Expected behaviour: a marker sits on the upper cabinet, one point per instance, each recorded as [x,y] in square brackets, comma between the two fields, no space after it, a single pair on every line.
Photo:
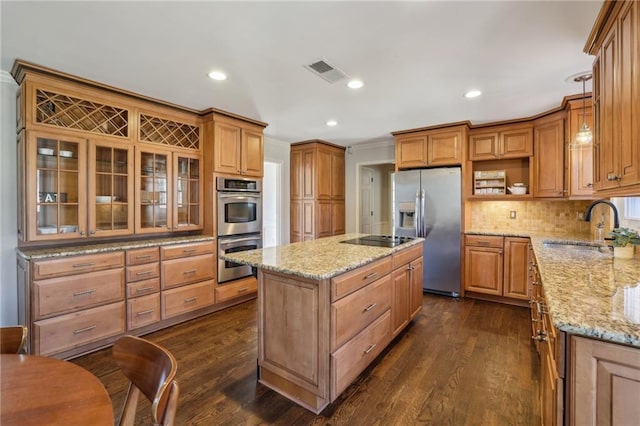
[97,162]
[429,148]
[238,148]
[615,41]
[501,142]
[549,157]
[578,158]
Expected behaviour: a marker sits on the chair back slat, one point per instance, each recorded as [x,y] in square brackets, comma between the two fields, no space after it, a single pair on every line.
[13,339]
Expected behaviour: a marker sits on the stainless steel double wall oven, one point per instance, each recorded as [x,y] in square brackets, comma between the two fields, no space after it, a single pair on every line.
[239,222]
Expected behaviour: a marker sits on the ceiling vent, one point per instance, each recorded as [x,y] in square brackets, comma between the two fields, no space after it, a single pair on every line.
[326,71]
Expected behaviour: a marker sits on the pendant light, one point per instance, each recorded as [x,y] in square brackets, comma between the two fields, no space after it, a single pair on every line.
[584,135]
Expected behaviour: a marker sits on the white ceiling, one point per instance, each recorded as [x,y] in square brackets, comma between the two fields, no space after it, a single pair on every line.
[415,58]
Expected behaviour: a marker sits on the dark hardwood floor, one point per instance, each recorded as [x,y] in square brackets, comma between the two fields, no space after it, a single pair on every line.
[461,362]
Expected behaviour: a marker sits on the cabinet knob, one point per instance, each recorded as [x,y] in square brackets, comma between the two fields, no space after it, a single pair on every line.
[81,232]
[93,231]
[612,177]
[589,185]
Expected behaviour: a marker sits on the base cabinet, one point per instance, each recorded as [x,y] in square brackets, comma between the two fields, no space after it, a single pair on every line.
[497,267]
[604,387]
[316,336]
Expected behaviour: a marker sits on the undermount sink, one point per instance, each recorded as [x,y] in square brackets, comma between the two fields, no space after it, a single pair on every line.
[575,246]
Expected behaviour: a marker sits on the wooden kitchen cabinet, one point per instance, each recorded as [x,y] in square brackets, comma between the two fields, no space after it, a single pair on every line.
[497,266]
[579,158]
[429,148]
[317,190]
[604,384]
[143,287]
[615,41]
[238,148]
[549,157]
[170,191]
[501,142]
[406,287]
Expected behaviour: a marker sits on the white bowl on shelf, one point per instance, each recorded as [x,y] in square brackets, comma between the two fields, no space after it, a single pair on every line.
[518,190]
[105,199]
[67,154]
[45,151]
[45,230]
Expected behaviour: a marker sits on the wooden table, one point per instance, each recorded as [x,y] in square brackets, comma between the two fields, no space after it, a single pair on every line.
[37,390]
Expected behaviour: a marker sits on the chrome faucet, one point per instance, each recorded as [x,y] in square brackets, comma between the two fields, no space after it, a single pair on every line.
[616,219]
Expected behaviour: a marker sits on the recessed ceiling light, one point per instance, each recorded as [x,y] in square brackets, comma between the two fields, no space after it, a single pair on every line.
[355,84]
[217,75]
[332,123]
[472,94]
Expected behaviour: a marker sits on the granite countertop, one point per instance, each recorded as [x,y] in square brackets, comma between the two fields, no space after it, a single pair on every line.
[588,292]
[317,259]
[48,253]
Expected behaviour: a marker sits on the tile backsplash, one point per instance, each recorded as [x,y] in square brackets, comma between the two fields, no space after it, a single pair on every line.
[535,216]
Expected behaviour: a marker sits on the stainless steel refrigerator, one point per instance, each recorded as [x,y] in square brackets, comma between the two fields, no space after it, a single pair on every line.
[426,203]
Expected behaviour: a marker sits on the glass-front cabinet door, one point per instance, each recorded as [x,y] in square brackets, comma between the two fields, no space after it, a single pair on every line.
[110,189]
[188,207]
[153,186]
[56,207]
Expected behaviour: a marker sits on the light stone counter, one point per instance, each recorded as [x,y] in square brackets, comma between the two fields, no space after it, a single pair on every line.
[54,252]
[588,293]
[317,259]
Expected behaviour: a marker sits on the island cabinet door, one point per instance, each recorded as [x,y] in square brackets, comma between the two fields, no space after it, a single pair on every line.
[293,346]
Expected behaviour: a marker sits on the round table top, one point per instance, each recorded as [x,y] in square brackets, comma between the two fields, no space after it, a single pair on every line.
[37,390]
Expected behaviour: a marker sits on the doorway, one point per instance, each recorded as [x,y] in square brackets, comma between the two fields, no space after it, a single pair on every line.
[374,198]
[271,204]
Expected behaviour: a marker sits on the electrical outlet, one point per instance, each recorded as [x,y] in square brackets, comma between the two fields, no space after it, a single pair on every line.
[512,214]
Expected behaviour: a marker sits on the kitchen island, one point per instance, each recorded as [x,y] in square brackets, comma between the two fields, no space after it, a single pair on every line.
[327,309]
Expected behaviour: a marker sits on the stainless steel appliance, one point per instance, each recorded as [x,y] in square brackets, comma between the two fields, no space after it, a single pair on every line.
[427,203]
[228,271]
[239,205]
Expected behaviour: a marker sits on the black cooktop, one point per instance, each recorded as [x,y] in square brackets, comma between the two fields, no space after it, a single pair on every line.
[379,240]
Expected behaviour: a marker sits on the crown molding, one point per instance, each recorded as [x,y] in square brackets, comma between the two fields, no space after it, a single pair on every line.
[372,145]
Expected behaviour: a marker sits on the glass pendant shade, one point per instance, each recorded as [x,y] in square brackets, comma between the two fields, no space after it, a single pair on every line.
[584,135]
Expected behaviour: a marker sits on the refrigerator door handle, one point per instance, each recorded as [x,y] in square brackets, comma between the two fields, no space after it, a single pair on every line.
[417,214]
[422,214]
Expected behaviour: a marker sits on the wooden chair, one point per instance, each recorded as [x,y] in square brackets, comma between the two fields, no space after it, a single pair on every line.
[151,370]
[13,340]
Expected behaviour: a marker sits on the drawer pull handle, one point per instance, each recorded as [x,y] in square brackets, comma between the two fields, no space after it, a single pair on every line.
[82,293]
[188,250]
[370,348]
[142,257]
[191,299]
[84,330]
[483,243]
[242,290]
[411,267]
[147,312]
[84,265]
[370,307]
[143,289]
[144,273]
[190,271]
[371,275]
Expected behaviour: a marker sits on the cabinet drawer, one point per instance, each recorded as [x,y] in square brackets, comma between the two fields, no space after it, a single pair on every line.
[407,255]
[352,358]
[229,291]
[483,240]
[190,249]
[356,311]
[143,311]
[143,272]
[77,264]
[187,270]
[358,278]
[185,299]
[67,294]
[72,330]
[143,255]
[142,288]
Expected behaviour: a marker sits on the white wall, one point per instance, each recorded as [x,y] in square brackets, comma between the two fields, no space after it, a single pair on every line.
[356,156]
[279,152]
[8,201]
